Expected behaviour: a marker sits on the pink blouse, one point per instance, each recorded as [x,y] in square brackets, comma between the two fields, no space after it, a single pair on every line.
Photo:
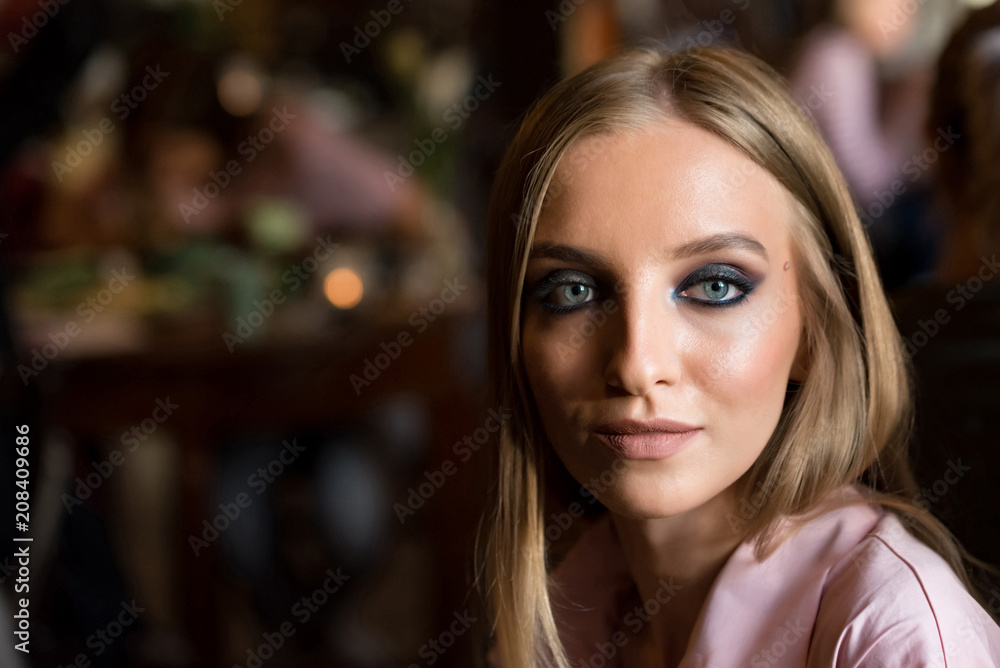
[851,588]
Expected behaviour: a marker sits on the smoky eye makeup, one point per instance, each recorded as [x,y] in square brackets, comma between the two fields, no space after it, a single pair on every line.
[719,284]
[565,290]
[711,285]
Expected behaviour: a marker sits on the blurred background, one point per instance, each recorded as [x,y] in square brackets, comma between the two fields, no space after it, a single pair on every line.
[241,298]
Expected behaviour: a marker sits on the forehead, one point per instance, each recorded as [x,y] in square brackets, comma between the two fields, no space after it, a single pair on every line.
[665,185]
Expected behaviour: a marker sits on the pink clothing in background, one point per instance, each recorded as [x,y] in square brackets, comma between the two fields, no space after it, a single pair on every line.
[836,80]
[851,588]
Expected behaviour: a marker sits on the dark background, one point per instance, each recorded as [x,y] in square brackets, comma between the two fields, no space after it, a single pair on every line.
[236,312]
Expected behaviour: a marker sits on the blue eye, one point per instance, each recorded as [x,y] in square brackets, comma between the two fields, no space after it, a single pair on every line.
[715,285]
[574,293]
[563,291]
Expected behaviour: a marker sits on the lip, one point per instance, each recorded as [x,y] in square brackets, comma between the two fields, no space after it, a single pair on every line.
[646,439]
[643,426]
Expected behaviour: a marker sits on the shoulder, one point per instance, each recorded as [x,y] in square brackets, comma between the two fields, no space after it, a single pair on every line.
[892,600]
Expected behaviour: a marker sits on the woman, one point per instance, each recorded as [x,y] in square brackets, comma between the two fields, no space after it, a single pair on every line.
[686,319]
[836,76]
[873,129]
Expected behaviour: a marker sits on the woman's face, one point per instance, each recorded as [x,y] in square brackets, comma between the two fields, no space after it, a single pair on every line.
[884,25]
[661,285]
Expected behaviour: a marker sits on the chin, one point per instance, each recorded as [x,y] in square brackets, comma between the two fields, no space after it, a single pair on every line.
[643,492]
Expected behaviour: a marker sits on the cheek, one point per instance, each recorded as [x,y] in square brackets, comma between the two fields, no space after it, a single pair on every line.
[743,368]
[739,364]
[552,364]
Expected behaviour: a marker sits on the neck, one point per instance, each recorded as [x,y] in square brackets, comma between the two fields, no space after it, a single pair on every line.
[677,558]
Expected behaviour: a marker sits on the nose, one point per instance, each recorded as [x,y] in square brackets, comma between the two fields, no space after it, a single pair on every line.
[642,343]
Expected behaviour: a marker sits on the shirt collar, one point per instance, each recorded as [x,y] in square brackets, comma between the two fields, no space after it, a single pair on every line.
[753,605]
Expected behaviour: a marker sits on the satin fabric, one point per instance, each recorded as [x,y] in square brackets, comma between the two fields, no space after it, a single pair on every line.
[851,588]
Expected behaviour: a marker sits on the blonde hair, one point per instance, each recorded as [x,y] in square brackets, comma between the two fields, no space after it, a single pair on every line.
[848,421]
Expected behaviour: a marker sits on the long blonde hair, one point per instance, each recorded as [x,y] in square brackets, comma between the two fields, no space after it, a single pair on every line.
[848,421]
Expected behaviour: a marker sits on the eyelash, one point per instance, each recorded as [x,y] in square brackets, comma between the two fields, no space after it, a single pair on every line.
[559,278]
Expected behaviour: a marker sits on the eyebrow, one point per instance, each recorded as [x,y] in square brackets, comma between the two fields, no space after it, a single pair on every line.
[704,246]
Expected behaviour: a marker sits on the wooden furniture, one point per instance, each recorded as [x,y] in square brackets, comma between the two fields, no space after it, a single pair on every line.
[286,387]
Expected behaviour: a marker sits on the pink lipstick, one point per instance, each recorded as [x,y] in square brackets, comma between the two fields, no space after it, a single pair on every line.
[646,439]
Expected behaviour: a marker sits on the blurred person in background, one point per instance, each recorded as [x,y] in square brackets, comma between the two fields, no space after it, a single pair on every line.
[873,128]
[951,322]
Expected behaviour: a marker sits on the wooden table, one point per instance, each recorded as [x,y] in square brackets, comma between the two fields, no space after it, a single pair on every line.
[287,387]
